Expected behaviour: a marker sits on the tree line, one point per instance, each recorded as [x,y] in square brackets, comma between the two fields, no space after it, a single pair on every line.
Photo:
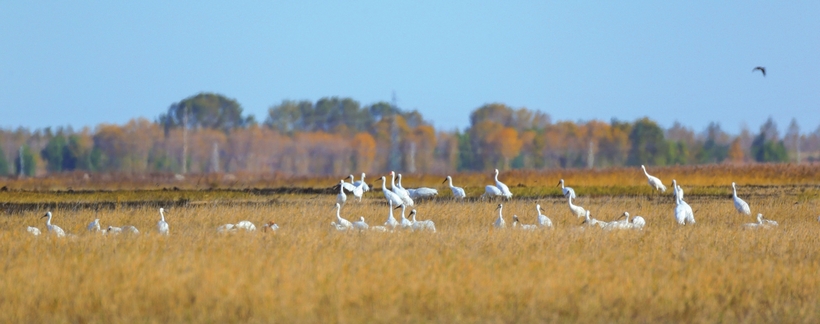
[208,132]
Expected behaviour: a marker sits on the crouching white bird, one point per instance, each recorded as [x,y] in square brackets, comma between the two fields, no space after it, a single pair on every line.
[53,229]
[761,223]
[94,226]
[422,225]
[162,226]
[360,224]
[741,206]
[33,230]
[246,225]
[517,224]
[654,182]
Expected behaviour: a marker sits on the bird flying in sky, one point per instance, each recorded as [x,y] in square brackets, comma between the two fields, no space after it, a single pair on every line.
[762,70]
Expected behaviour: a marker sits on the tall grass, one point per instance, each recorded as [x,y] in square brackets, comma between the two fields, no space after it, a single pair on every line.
[466,272]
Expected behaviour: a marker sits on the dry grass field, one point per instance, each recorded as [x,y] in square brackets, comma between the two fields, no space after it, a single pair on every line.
[465,272]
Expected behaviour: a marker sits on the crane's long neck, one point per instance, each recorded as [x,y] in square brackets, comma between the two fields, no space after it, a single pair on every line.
[569,200]
[162,215]
[392,180]
[644,171]
[399,181]
[48,221]
[342,187]
[338,215]
[759,219]
[384,184]
[562,183]
[499,213]
[362,177]
[402,213]
[451,181]
[734,191]
[496,175]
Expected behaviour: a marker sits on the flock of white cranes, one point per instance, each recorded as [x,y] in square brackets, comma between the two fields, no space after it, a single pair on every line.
[400,197]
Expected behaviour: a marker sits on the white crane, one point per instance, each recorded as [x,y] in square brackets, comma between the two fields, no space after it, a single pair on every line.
[589,221]
[677,191]
[53,229]
[362,184]
[94,226]
[33,230]
[349,186]
[162,226]
[458,192]
[761,223]
[637,222]
[741,206]
[341,198]
[418,193]
[423,225]
[391,222]
[543,220]
[568,192]
[500,223]
[505,191]
[405,223]
[517,222]
[341,222]
[246,225]
[399,191]
[360,224]
[683,212]
[114,230]
[578,211]
[654,182]
[491,191]
[391,197]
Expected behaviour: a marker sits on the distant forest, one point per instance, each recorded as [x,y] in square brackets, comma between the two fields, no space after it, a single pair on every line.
[337,136]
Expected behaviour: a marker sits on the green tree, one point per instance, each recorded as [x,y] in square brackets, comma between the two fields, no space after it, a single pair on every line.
[768,151]
[53,153]
[205,110]
[648,144]
[4,163]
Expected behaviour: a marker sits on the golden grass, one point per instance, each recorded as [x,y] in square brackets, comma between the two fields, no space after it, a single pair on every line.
[466,272]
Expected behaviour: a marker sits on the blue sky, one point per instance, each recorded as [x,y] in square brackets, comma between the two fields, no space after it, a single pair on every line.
[85,63]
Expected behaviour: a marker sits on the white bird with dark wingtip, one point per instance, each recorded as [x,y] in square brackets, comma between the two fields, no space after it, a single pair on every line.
[543,220]
[578,211]
[741,206]
[505,191]
[53,229]
[525,227]
[458,192]
[654,182]
[422,225]
[389,195]
[568,192]
[500,223]
[162,226]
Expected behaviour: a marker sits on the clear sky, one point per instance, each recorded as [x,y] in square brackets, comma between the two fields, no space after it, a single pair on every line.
[82,63]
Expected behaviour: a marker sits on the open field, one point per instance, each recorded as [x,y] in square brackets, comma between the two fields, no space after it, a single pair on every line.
[466,272]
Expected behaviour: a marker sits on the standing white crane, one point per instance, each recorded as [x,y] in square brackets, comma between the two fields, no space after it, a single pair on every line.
[94,226]
[491,191]
[458,192]
[391,222]
[361,183]
[162,226]
[500,223]
[405,223]
[741,206]
[391,197]
[341,222]
[654,182]
[505,191]
[543,220]
[341,198]
[578,211]
[683,212]
[568,192]
[399,191]
[53,229]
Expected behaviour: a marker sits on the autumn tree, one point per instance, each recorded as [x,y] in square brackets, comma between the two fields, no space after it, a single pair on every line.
[364,150]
